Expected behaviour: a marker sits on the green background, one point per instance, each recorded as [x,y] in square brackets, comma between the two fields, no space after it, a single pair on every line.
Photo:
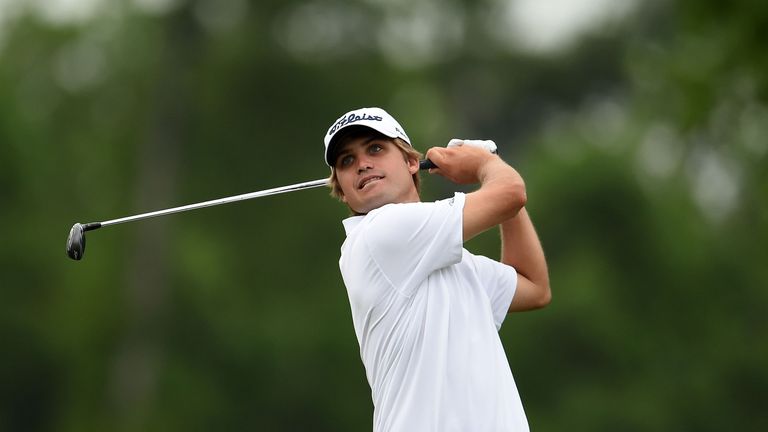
[643,142]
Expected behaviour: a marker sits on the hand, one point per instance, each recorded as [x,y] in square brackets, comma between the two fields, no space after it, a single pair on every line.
[486,144]
[462,163]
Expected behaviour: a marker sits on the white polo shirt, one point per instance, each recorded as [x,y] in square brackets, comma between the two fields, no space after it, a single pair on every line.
[426,313]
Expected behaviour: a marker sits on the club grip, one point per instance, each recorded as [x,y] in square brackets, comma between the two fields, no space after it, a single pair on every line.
[426,164]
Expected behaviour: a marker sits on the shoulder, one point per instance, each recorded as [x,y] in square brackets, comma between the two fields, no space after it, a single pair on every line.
[393,213]
[396,225]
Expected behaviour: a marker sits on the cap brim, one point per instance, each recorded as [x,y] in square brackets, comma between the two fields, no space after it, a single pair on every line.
[343,133]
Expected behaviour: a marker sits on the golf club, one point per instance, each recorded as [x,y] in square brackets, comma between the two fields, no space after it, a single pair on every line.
[76,238]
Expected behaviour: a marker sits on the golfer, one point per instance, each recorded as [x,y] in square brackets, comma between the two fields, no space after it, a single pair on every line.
[427,312]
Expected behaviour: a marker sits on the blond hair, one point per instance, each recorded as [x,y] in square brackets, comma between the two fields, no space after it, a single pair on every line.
[406,149]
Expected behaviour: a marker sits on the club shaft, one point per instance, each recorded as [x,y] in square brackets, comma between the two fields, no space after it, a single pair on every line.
[258,194]
[424,164]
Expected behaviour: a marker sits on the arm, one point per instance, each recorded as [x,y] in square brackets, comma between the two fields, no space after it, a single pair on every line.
[521,249]
[499,201]
[502,190]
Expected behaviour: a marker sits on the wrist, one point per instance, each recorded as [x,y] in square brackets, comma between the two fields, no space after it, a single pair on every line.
[491,168]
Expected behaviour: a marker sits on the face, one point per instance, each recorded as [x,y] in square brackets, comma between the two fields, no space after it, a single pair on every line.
[373,172]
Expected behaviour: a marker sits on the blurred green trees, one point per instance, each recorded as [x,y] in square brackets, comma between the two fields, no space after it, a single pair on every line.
[643,146]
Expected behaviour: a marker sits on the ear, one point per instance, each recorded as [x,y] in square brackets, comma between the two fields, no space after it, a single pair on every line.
[413,165]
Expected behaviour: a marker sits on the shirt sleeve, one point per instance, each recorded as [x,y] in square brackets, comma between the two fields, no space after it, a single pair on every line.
[499,282]
[411,240]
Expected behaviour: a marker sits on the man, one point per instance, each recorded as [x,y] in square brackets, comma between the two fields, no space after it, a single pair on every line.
[426,312]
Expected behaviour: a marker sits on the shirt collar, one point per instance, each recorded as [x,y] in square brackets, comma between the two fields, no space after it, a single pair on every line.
[351,223]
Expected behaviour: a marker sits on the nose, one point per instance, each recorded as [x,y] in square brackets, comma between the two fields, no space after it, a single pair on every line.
[364,163]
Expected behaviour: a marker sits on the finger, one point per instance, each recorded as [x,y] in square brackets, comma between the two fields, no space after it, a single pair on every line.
[436,155]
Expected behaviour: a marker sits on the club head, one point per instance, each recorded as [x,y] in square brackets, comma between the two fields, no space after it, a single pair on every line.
[76,242]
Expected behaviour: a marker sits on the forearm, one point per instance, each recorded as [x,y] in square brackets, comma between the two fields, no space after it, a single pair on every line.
[503,187]
[521,249]
[502,190]
[500,197]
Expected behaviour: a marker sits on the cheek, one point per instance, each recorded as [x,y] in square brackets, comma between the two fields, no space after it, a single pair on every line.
[344,183]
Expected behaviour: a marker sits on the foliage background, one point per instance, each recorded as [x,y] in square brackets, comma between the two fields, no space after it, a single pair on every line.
[642,138]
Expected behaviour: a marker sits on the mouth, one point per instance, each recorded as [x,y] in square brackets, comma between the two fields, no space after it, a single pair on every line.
[368,180]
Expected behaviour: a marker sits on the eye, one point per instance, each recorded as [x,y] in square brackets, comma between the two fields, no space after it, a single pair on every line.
[345,160]
[375,148]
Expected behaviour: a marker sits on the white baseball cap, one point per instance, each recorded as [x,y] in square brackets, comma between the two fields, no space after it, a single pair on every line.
[374,118]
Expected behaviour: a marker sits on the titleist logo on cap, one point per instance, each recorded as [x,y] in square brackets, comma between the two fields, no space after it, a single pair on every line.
[352,118]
